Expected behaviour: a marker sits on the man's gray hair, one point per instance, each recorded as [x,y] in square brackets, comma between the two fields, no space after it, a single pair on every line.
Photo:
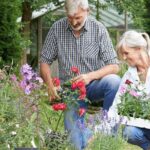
[73,5]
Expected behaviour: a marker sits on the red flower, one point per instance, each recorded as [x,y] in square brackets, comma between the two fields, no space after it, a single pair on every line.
[74,86]
[56,81]
[128,82]
[81,111]
[82,97]
[59,106]
[75,70]
[80,84]
[82,92]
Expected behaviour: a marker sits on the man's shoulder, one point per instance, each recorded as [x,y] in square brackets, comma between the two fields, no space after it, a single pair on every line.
[60,23]
[93,22]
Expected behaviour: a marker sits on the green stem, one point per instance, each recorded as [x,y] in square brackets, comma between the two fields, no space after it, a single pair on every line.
[58,121]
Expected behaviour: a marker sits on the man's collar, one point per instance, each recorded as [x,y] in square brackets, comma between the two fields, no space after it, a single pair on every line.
[86,25]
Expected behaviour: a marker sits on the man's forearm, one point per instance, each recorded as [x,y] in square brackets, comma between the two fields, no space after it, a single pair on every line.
[109,69]
[46,74]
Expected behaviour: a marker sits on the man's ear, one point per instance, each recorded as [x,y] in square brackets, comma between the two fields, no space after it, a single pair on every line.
[65,8]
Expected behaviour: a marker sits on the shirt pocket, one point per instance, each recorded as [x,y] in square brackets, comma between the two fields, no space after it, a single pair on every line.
[91,49]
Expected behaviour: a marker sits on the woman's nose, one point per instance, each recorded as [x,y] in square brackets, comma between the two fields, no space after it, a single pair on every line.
[124,57]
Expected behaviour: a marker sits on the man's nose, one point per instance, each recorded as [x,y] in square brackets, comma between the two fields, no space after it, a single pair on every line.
[74,22]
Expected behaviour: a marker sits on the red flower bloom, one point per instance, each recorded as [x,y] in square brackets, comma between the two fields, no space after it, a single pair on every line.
[81,111]
[82,90]
[56,81]
[74,86]
[82,97]
[80,84]
[128,82]
[75,70]
[59,106]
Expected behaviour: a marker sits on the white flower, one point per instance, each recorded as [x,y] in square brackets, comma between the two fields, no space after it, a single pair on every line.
[33,144]
[8,146]
[49,130]
[17,125]
[13,133]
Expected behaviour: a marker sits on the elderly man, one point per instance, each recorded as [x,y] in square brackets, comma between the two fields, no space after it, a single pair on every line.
[78,40]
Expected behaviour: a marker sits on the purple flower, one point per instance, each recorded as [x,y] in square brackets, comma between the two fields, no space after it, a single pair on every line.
[23,84]
[39,79]
[27,90]
[25,69]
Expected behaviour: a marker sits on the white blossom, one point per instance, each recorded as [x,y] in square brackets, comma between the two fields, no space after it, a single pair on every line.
[17,125]
[13,133]
[33,144]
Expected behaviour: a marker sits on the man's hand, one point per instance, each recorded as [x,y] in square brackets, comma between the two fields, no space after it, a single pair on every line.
[83,77]
[53,95]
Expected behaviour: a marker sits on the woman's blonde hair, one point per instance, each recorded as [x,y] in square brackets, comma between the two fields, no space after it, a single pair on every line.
[133,39]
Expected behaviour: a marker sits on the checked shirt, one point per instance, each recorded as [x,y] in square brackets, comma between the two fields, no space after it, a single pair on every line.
[89,52]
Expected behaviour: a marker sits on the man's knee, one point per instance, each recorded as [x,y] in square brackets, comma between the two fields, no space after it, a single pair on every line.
[112,81]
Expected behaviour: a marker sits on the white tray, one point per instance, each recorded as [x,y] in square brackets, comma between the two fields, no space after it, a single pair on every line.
[138,122]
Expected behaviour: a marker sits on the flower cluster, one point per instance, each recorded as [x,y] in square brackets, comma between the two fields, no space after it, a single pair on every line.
[134,101]
[70,92]
[30,79]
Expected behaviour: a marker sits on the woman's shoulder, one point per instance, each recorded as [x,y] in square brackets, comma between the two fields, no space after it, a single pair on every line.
[132,71]
[130,74]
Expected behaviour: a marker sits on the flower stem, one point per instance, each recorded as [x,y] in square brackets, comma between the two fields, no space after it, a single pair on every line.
[58,121]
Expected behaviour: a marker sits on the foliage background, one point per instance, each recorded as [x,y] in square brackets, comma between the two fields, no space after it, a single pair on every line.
[14,39]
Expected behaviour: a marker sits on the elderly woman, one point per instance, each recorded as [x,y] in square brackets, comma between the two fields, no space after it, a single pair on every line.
[134,49]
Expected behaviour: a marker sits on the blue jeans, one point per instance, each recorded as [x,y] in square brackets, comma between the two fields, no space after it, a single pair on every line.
[137,136]
[105,89]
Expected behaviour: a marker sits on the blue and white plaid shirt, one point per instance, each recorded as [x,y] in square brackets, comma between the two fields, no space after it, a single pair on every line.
[89,52]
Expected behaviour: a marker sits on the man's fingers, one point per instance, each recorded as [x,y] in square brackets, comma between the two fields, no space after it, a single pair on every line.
[78,78]
[53,94]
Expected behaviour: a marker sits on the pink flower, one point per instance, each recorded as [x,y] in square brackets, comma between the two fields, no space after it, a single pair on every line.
[134,93]
[122,89]
[75,70]
[13,78]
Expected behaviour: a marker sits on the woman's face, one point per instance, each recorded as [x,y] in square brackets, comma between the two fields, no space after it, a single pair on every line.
[131,55]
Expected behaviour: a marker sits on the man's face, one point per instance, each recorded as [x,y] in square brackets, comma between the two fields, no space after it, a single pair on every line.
[77,20]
